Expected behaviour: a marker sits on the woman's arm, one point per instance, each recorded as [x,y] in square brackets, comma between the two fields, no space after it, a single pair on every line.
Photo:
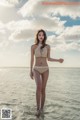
[52,59]
[32,58]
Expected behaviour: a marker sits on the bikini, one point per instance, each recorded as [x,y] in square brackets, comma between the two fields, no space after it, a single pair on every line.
[41,53]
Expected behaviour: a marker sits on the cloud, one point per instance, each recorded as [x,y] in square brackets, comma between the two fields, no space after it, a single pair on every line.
[36,8]
[17,3]
[3,36]
[8,12]
[5,3]
[3,39]
[71,33]
[22,35]
[10,3]
[42,22]
[25,29]
[2,32]
[69,39]
[18,25]
[1,25]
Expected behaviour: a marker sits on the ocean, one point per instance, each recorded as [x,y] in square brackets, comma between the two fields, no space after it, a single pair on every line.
[18,90]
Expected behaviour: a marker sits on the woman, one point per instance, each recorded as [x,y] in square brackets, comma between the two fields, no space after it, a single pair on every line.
[40,72]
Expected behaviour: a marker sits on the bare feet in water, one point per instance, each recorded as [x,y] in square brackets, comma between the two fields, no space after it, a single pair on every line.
[41,111]
[38,113]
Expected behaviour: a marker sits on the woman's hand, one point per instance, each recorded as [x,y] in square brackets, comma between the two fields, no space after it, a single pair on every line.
[31,75]
[61,60]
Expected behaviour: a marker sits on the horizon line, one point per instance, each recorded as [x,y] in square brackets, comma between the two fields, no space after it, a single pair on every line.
[60,3]
[29,67]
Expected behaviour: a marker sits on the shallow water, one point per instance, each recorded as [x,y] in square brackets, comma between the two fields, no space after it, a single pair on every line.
[17,91]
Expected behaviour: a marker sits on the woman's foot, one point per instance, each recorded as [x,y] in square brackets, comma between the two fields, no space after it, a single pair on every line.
[41,111]
[38,113]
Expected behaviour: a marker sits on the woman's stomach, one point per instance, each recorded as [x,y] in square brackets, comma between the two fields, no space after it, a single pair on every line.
[41,61]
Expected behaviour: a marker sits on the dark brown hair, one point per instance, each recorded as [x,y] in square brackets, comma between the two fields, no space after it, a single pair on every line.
[45,38]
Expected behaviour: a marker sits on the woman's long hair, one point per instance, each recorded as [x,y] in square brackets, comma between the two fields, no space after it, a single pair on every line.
[45,38]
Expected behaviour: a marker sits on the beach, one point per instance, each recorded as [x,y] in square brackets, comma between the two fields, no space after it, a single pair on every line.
[17,91]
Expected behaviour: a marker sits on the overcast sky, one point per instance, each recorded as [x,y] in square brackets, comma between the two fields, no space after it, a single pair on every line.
[19,22]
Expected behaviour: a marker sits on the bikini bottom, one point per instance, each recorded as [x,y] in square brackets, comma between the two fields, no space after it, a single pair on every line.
[41,69]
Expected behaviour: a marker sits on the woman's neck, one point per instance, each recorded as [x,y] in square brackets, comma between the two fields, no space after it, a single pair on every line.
[40,42]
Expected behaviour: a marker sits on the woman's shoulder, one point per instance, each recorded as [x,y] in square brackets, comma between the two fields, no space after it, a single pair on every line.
[33,46]
[48,45]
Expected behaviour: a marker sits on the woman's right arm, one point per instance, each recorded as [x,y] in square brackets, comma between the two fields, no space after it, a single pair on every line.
[32,58]
[31,61]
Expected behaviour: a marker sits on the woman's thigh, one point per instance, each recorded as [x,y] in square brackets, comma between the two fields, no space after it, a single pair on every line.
[45,76]
[37,77]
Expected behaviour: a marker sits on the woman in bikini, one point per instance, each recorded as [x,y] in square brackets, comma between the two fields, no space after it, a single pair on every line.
[40,71]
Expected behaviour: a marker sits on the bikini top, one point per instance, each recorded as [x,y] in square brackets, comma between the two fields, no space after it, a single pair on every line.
[40,52]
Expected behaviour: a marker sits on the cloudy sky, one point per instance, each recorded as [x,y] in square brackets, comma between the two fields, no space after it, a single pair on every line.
[19,22]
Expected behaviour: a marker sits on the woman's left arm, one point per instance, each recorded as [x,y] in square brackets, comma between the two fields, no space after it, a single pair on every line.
[52,59]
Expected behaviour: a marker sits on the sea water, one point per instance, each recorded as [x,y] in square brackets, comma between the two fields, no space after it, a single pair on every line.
[18,90]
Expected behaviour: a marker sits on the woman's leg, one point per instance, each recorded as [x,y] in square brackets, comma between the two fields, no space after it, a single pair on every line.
[44,82]
[38,88]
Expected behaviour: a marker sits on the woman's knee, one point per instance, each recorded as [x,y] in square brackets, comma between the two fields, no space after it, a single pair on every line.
[38,88]
[43,90]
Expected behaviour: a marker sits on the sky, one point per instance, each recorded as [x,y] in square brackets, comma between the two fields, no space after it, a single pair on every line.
[21,19]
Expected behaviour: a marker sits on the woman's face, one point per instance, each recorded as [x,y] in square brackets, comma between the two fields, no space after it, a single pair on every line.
[41,36]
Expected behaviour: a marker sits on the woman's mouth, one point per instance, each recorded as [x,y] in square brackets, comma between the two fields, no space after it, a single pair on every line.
[41,38]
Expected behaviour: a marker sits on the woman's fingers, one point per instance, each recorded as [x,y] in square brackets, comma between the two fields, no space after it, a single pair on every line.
[31,75]
[61,60]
